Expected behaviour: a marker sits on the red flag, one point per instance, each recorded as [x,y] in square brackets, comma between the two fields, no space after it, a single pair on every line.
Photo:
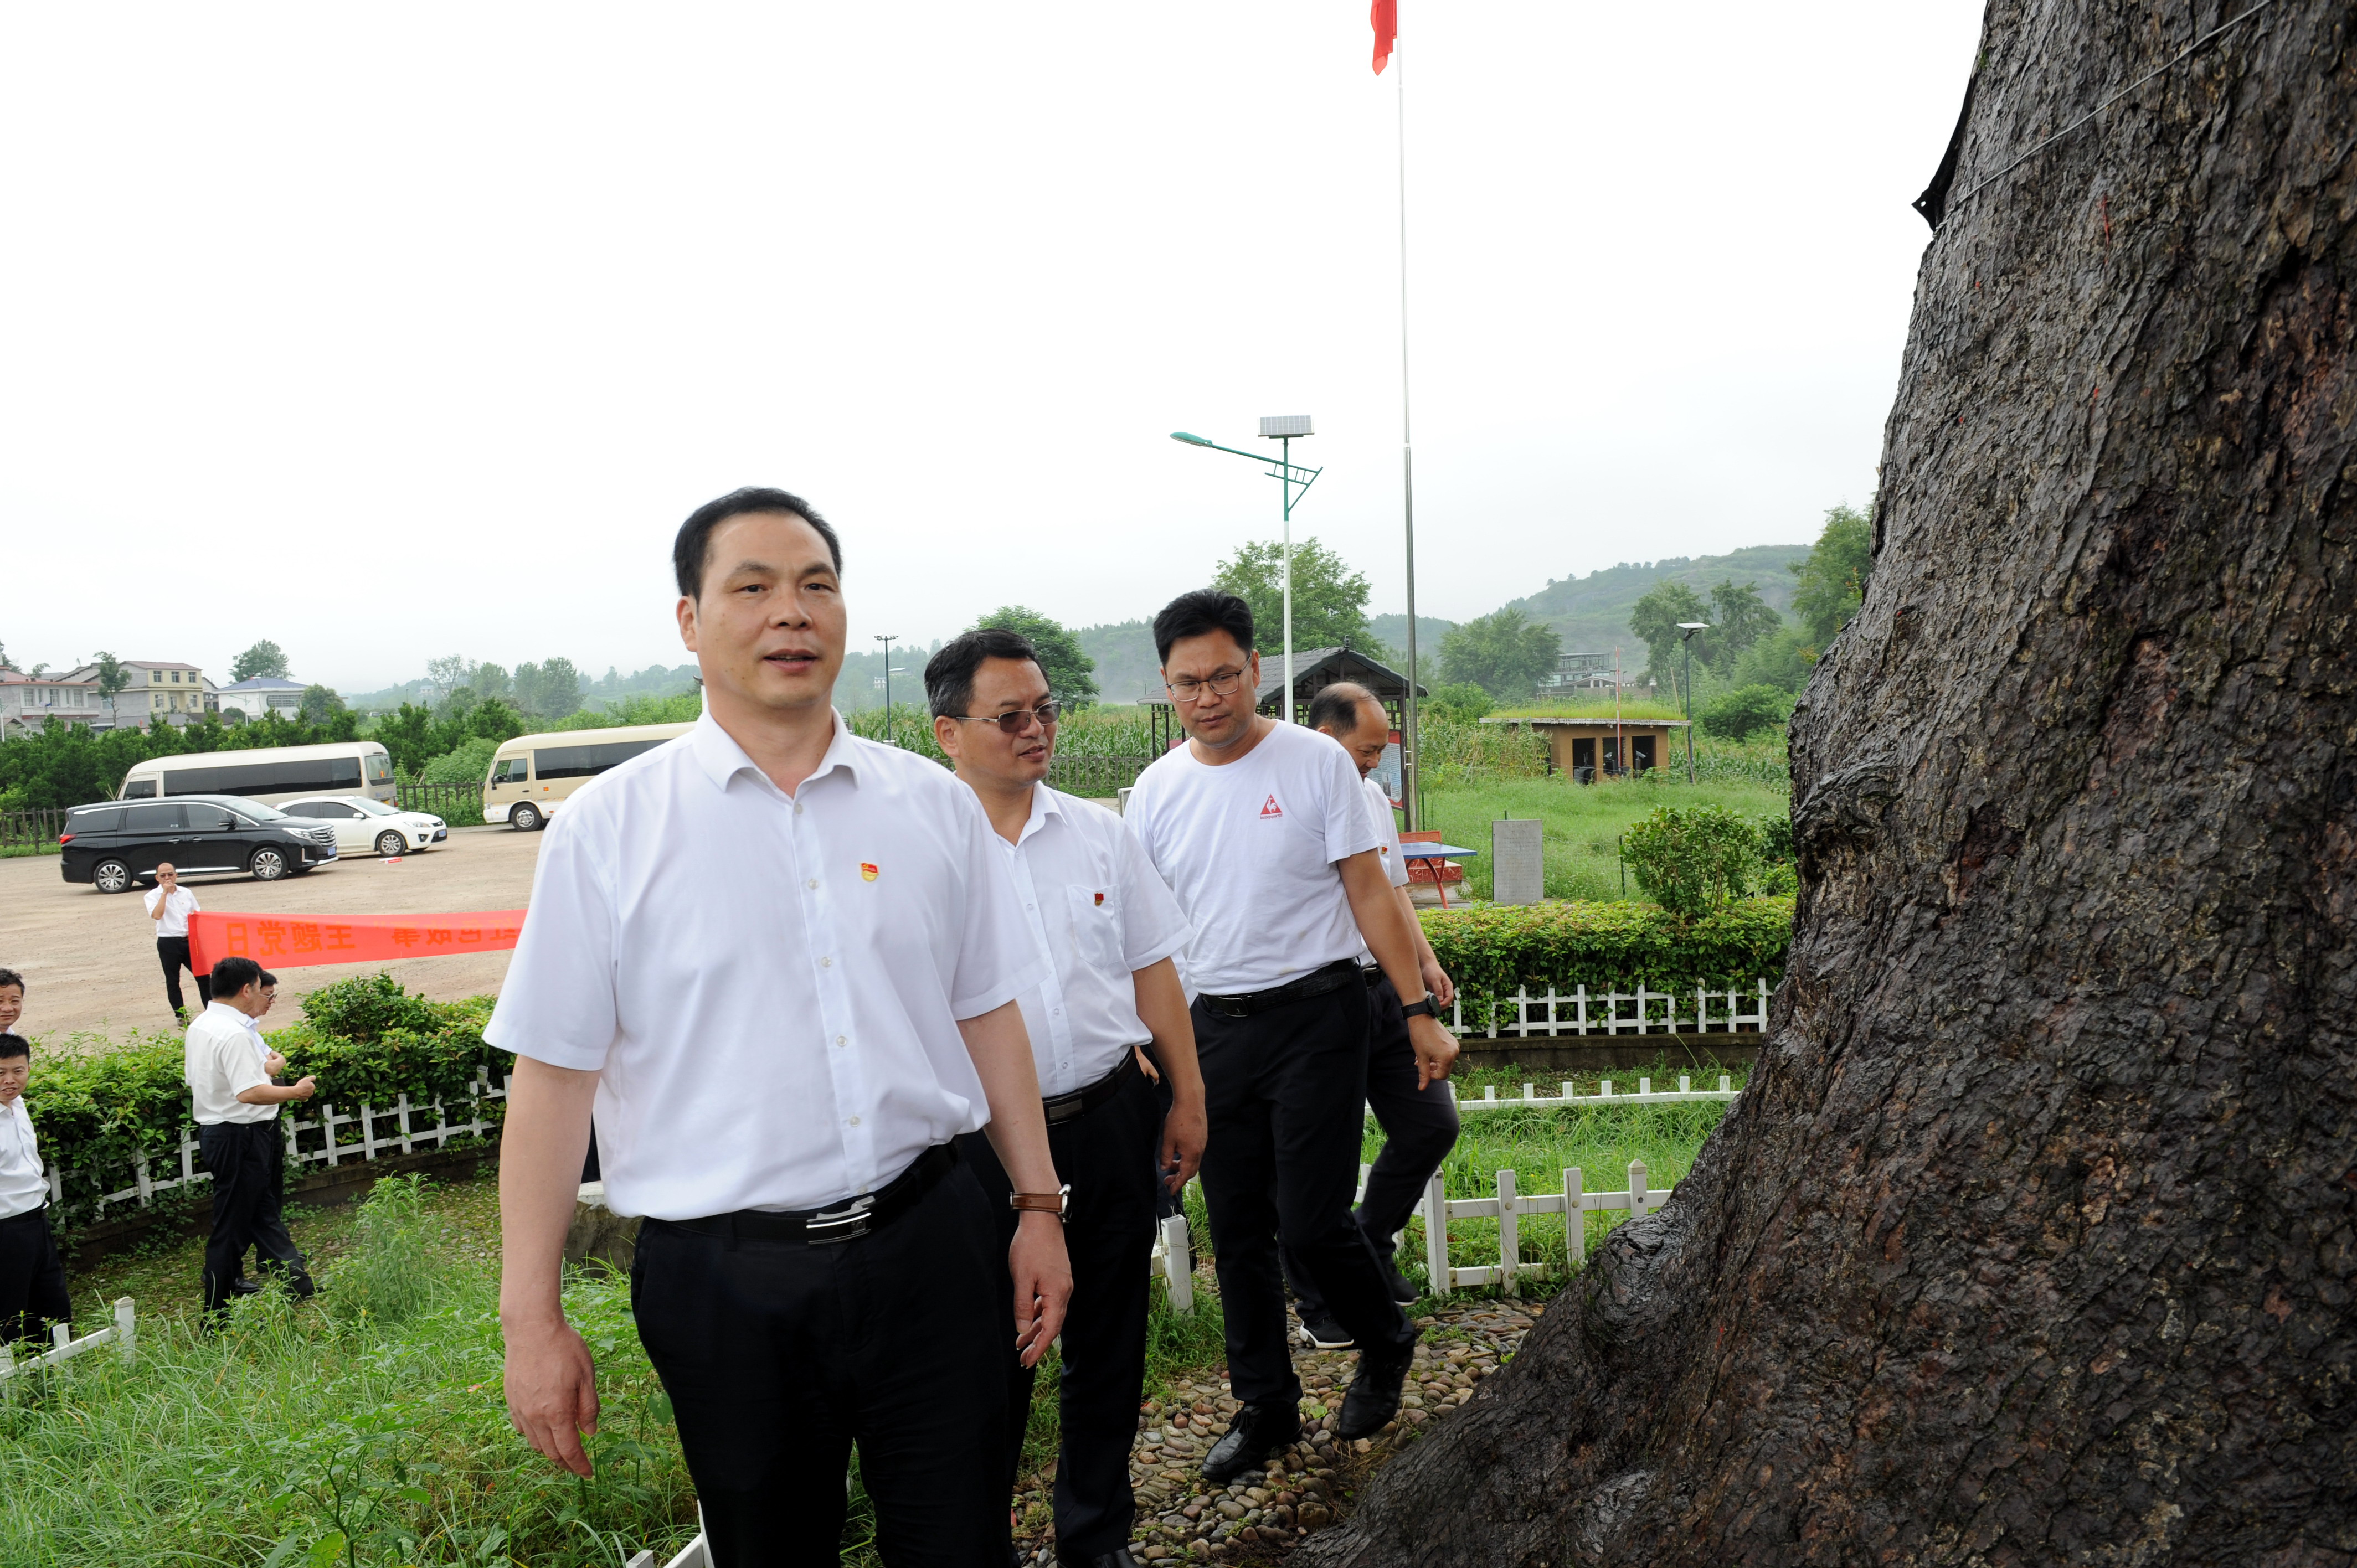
[290,942]
[1384,14]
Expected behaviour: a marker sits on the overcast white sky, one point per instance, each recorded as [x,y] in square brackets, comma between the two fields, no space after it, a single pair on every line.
[388,333]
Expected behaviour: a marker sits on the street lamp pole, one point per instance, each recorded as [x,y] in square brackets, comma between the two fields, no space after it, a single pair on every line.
[1690,627]
[887,640]
[1281,428]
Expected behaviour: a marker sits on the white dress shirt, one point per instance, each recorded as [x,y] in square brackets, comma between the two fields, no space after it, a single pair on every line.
[23,1185]
[1250,848]
[768,986]
[177,910]
[1100,913]
[220,1064]
[1379,806]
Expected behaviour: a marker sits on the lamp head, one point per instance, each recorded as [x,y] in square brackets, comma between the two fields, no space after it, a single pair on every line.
[1190,440]
[1691,626]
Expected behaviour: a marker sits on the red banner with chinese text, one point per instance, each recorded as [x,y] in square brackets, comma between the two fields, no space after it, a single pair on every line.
[291,942]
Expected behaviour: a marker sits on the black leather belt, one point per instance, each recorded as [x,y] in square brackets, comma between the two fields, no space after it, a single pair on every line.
[1317,983]
[1081,1102]
[35,1212]
[821,1227]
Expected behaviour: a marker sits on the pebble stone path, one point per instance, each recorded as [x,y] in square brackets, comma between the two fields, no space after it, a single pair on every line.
[1264,1514]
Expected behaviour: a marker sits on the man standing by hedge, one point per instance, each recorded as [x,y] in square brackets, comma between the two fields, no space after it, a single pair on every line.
[32,1281]
[781,962]
[1261,828]
[236,1108]
[1418,1118]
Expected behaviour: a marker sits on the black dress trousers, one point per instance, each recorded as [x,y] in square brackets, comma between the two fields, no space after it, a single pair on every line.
[32,1279]
[1419,1129]
[1286,1091]
[1108,1157]
[248,1162]
[778,1356]
[172,952]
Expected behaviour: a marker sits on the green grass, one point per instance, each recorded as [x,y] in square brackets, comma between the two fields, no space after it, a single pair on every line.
[1584,822]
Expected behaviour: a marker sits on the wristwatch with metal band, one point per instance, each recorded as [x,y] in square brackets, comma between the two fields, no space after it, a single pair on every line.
[1423,1007]
[1058,1203]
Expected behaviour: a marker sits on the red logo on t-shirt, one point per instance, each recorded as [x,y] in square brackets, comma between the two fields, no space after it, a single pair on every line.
[1272,808]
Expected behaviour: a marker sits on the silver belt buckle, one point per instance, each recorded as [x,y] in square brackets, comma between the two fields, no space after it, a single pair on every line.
[842,1225]
[1063,1108]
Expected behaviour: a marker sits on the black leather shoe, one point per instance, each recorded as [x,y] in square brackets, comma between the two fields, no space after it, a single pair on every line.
[1374,1396]
[1403,1292]
[1259,1431]
[1118,1557]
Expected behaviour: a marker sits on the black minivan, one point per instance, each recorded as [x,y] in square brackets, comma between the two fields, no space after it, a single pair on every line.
[118,844]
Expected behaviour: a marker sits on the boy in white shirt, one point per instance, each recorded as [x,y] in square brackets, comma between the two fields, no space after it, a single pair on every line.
[32,1281]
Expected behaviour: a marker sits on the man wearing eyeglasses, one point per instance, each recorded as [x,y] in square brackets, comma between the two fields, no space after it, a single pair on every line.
[1106,928]
[1262,829]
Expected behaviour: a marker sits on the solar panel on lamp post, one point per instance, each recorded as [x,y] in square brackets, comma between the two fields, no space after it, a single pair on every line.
[1690,627]
[1282,428]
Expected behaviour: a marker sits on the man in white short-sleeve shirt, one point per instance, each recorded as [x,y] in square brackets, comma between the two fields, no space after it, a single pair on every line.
[1099,915]
[169,905]
[1262,829]
[782,963]
[1418,1118]
[229,1069]
[32,1279]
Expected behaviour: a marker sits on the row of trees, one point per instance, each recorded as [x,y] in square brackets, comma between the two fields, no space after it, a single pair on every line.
[71,765]
[549,690]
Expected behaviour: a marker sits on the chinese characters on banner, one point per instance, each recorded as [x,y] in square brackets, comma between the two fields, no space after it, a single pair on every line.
[290,942]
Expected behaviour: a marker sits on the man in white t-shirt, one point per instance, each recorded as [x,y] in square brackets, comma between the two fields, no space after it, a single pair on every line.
[1262,829]
[169,905]
[1106,926]
[1418,1119]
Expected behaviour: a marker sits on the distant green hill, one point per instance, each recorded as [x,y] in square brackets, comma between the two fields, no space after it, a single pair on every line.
[1592,612]
[1124,651]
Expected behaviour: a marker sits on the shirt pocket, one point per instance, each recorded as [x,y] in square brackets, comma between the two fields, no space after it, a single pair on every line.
[1096,928]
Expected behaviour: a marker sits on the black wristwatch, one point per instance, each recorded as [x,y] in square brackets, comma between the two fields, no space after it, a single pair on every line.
[1423,1007]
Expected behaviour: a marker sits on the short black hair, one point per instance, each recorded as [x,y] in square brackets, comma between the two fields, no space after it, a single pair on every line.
[1203,610]
[1340,709]
[949,674]
[268,978]
[232,975]
[691,547]
[10,977]
[13,1046]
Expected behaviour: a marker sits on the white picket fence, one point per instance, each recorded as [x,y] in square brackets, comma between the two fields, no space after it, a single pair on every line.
[1507,1208]
[1640,1011]
[400,1128]
[64,1347]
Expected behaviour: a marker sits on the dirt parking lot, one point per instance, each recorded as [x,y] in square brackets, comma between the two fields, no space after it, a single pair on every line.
[89,960]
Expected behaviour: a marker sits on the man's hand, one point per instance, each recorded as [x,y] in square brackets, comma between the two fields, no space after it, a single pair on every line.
[1043,1284]
[1437,980]
[273,1064]
[1184,1134]
[551,1388]
[305,1087]
[1435,1048]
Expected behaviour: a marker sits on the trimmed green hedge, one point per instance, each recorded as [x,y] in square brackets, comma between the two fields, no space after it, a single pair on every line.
[1491,949]
[365,1040]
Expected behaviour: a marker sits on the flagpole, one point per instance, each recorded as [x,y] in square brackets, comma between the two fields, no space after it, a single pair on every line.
[1409,766]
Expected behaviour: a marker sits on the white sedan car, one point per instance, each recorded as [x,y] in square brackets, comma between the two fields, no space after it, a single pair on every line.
[370,827]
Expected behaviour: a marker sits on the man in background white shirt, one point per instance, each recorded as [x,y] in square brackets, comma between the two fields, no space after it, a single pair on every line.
[236,1110]
[32,1279]
[1418,1119]
[169,905]
[781,963]
[1262,829]
[1106,928]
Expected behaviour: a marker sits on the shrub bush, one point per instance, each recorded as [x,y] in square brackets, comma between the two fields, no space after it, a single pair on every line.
[1693,860]
[1745,712]
[391,1271]
[1491,949]
[466,765]
[1460,700]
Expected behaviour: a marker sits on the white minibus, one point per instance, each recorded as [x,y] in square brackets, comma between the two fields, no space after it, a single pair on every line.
[268,774]
[533,774]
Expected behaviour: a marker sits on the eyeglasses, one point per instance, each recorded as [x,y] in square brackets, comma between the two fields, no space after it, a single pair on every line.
[1188,689]
[1018,720]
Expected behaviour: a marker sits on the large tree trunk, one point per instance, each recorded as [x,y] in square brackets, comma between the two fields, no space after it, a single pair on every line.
[2034,1239]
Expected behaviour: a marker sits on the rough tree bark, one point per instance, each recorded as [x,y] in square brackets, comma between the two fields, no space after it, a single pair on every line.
[2032,1241]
